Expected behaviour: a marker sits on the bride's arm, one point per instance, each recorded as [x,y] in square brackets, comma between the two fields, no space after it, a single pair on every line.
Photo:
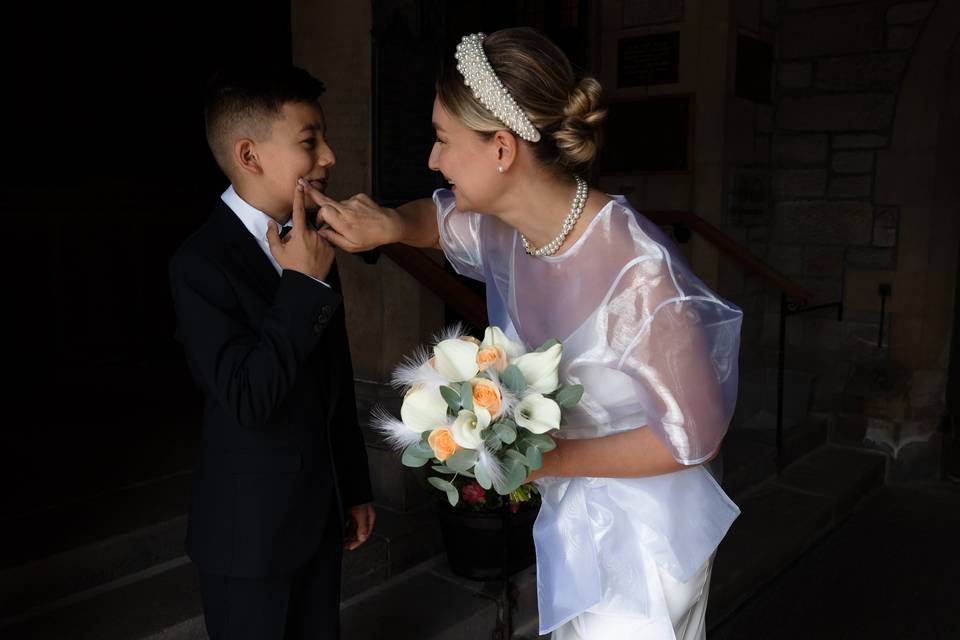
[628,454]
[360,224]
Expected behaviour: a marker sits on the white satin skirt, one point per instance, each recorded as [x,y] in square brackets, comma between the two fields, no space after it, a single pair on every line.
[685,601]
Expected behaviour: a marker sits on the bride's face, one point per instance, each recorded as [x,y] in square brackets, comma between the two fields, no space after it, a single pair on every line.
[466,160]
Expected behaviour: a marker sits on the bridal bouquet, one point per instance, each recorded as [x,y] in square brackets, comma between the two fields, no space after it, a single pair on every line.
[478,409]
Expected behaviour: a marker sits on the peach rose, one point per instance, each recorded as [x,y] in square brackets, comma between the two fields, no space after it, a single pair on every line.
[493,356]
[441,441]
[487,396]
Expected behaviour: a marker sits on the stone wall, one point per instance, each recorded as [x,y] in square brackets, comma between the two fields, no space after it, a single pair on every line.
[388,312]
[858,142]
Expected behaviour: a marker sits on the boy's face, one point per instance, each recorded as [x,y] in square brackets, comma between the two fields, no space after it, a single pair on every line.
[296,149]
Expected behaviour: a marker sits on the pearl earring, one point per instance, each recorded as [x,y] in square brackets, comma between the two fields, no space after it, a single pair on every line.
[500,168]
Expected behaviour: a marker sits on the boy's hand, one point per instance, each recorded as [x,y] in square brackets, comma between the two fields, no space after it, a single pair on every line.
[303,249]
[356,224]
[359,525]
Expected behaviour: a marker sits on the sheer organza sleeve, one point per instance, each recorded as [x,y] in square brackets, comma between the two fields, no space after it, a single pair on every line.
[681,344]
[459,235]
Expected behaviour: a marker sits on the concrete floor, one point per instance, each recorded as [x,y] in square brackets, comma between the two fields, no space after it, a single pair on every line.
[890,571]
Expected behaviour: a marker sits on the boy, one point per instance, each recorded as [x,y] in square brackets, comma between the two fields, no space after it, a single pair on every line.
[282,460]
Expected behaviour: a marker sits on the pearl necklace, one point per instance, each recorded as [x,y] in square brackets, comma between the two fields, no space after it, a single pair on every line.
[576,208]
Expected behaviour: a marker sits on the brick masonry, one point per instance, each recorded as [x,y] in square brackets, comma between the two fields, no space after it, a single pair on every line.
[839,72]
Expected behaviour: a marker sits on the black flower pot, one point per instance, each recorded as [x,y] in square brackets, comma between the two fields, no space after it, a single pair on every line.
[484,545]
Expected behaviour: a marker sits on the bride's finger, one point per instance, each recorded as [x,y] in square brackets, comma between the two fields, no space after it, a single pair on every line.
[338,240]
[332,216]
[316,195]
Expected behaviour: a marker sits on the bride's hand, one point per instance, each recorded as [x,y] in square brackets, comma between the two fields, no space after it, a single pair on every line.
[355,224]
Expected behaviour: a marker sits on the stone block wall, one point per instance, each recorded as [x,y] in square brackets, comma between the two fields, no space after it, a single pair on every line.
[854,203]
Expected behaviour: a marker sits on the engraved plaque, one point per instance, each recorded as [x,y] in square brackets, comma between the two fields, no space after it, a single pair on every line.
[637,13]
[646,60]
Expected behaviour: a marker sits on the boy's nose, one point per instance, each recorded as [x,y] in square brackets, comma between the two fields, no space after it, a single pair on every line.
[327,158]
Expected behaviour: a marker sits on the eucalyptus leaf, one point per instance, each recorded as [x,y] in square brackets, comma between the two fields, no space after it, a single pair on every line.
[441,484]
[462,461]
[411,459]
[466,396]
[422,449]
[453,496]
[493,443]
[507,422]
[516,473]
[539,440]
[505,433]
[513,379]
[452,398]
[570,395]
[483,478]
[443,469]
[515,455]
[546,345]
[534,458]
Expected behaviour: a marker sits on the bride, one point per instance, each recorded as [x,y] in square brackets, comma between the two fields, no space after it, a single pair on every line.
[631,518]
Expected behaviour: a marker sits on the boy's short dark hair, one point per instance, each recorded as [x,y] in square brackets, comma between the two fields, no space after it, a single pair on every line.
[245,102]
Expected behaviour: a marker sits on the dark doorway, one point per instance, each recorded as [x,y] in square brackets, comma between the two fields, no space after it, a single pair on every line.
[109,173]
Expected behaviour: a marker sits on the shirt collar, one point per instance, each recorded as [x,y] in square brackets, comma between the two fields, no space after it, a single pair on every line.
[256,221]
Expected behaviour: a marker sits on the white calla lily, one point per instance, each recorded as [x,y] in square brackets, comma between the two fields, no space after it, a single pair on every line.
[494,337]
[467,427]
[456,360]
[537,414]
[424,409]
[540,370]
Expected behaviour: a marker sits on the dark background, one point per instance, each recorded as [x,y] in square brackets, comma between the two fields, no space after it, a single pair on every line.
[106,171]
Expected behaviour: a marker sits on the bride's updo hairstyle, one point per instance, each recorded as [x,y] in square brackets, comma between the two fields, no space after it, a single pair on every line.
[538,75]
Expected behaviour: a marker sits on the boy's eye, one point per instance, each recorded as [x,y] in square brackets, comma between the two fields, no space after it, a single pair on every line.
[310,142]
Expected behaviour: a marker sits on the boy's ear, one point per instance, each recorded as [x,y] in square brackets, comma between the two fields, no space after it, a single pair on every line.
[245,155]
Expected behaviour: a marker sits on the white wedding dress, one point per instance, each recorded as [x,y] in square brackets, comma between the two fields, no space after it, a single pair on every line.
[654,348]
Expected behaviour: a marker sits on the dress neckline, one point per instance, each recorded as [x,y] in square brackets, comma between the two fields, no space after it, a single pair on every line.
[572,249]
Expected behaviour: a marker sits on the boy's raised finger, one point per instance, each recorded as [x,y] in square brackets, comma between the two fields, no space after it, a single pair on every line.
[299,212]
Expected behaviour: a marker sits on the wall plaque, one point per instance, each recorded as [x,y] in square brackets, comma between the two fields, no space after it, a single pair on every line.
[646,60]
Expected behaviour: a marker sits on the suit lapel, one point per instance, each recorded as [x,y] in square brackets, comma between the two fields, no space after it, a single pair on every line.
[248,255]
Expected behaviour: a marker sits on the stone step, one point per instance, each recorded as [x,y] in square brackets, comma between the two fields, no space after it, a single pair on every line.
[51,554]
[783,517]
[400,542]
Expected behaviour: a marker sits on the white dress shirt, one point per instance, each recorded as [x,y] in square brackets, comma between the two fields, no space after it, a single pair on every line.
[257,223]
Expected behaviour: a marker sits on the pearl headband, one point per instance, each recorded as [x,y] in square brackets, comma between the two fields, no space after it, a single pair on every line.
[477,74]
